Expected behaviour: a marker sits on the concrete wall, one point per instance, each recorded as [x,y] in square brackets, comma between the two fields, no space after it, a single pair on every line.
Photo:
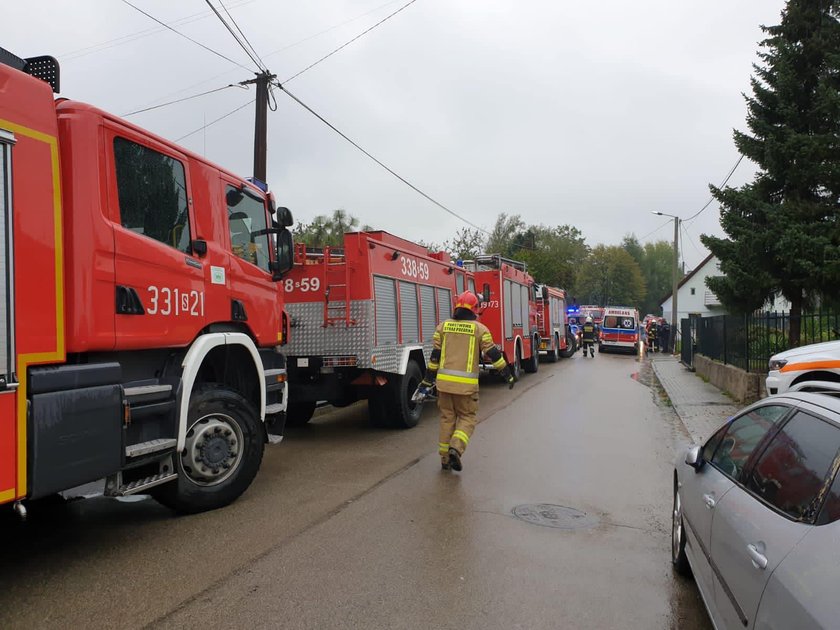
[744,387]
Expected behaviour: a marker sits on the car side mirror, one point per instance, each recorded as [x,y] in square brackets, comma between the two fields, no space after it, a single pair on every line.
[694,457]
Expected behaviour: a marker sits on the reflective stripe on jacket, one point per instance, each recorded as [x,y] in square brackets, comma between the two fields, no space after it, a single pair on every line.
[461,344]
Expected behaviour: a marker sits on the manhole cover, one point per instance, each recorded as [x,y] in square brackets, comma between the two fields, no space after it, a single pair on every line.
[547,515]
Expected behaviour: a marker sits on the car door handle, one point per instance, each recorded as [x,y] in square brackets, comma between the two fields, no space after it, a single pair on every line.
[709,500]
[759,560]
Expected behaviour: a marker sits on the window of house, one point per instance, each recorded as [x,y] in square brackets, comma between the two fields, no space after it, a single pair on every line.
[247,222]
[693,290]
[152,193]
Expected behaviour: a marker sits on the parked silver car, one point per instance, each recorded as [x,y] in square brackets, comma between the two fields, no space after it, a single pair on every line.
[756,512]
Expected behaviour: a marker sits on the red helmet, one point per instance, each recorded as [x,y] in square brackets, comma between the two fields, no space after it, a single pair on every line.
[466,300]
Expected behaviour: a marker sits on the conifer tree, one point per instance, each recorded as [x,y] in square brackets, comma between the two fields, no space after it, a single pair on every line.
[783,228]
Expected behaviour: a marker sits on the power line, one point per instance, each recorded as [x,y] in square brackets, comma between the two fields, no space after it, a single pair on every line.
[130,37]
[384,166]
[331,28]
[301,41]
[213,122]
[708,203]
[652,232]
[252,55]
[181,100]
[177,32]
[244,36]
[347,43]
[690,240]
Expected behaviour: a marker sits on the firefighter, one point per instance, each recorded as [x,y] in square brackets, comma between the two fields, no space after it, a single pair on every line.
[458,345]
[589,334]
[653,344]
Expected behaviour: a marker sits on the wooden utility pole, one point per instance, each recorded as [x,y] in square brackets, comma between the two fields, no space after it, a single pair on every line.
[262,81]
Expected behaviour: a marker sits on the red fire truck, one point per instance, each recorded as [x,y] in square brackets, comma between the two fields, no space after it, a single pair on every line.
[556,340]
[509,309]
[139,326]
[362,320]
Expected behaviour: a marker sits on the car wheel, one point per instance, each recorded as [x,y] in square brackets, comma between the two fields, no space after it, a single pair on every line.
[678,558]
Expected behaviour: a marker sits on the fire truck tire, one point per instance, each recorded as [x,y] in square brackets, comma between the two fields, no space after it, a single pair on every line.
[554,351]
[532,364]
[392,406]
[516,368]
[570,346]
[299,413]
[215,412]
[409,412]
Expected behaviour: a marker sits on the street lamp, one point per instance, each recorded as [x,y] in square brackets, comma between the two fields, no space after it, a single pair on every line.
[672,342]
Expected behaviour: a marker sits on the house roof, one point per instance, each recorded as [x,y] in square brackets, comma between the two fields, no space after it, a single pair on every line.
[688,277]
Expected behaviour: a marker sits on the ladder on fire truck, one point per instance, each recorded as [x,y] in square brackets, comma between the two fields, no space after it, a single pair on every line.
[336,307]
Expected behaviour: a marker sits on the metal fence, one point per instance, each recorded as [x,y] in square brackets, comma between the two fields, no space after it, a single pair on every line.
[748,341]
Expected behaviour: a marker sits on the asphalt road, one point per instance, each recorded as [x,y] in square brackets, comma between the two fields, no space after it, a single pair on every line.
[349,526]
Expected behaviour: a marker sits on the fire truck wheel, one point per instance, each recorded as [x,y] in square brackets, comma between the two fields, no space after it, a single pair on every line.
[516,368]
[299,413]
[554,352]
[533,362]
[391,405]
[409,412]
[570,346]
[223,451]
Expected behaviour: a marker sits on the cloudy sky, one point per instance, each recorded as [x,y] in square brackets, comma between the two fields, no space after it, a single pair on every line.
[587,113]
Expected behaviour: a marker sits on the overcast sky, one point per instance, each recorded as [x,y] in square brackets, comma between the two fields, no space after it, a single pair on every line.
[587,113]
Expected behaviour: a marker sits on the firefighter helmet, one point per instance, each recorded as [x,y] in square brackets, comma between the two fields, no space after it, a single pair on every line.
[588,319]
[466,300]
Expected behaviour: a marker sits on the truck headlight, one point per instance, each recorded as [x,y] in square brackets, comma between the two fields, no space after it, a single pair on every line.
[777,364]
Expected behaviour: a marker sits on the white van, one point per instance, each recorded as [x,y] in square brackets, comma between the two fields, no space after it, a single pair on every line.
[620,329]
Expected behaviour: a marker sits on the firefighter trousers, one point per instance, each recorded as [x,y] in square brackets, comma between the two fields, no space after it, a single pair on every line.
[457,422]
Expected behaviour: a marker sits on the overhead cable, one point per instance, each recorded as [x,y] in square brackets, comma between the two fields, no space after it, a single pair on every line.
[244,36]
[380,163]
[130,37]
[708,203]
[331,28]
[347,43]
[213,122]
[181,100]
[190,87]
[177,32]
[252,54]
[652,232]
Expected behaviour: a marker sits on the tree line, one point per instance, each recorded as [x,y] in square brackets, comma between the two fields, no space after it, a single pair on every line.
[629,274]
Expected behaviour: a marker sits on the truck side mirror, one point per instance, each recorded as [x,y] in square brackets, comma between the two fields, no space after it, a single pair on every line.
[283,216]
[284,259]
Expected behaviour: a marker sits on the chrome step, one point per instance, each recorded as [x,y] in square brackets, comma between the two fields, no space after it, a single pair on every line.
[275,408]
[140,485]
[274,439]
[152,446]
[145,390]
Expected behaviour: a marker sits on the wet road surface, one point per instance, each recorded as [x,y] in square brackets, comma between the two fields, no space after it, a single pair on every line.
[349,526]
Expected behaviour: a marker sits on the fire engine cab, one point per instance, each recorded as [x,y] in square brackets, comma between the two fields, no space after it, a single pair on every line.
[139,319]
[362,319]
[508,308]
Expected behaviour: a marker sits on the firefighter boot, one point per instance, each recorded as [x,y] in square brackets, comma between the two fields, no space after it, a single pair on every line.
[455,460]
